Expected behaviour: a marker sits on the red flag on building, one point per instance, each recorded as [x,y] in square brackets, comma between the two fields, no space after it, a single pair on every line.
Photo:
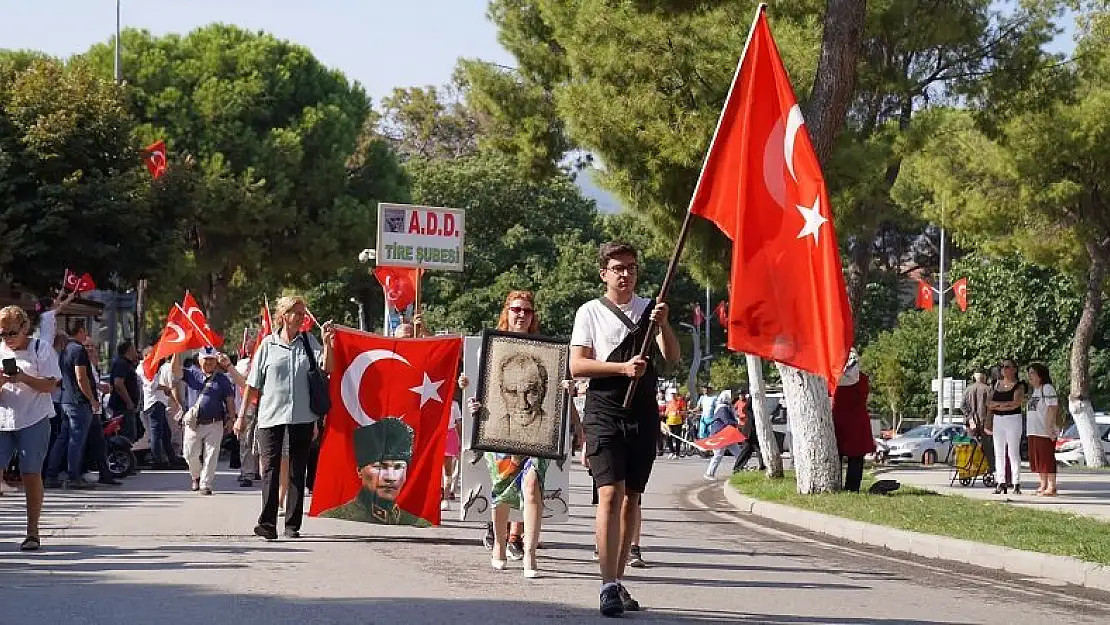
[197,316]
[722,313]
[178,336]
[78,284]
[729,435]
[959,287]
[699,318]
[381,459]
[762,186]
[925,299]
[154,155]
[399,284]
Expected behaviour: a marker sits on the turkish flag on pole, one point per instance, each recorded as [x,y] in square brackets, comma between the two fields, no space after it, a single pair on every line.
[960,288]
[78,284]
[762,186]
[729,435]
[197,316]
[699,318]
[925,299]
[178,336]
[154,155]
[399,285]
[375,378]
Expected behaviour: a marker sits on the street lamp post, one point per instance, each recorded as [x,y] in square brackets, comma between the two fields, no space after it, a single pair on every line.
[119,70]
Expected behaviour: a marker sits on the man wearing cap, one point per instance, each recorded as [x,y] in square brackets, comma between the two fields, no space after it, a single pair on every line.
[206,420]
[383,450]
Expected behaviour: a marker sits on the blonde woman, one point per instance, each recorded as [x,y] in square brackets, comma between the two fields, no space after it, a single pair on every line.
[279,379]
[30,372]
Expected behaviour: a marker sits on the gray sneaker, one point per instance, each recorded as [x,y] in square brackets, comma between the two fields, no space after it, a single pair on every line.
[515,548]
[78,484]
[636,559]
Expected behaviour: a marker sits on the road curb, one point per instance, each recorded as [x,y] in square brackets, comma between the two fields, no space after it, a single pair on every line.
[1015,561]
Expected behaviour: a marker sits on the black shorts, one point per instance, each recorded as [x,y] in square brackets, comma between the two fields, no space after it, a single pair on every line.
[620,453]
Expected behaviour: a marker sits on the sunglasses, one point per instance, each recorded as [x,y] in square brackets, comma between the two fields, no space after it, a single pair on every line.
[520,310]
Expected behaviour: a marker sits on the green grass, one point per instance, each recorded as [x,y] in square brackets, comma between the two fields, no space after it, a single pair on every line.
[924,511]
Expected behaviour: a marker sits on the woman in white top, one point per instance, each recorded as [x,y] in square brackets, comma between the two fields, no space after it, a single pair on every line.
[1041,430]
[29,373]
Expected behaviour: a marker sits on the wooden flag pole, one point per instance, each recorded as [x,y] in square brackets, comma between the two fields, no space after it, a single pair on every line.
[665,288]
[416,332]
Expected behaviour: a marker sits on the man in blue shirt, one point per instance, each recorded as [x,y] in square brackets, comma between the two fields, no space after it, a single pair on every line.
[80,402]
[207,419]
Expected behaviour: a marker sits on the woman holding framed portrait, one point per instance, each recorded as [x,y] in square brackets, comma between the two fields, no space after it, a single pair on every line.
[517,481]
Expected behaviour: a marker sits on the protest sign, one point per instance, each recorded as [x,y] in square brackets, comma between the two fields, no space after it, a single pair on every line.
[420,236]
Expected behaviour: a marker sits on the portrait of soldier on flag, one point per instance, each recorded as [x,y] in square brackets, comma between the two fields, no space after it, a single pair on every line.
[383,451]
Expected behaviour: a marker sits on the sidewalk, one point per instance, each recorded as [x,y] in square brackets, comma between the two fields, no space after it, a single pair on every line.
[1085,493]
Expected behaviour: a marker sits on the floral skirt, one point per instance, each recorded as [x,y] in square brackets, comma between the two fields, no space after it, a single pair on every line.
[506,474]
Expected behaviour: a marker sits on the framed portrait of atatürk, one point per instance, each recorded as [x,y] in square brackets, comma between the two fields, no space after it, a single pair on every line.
[524,407]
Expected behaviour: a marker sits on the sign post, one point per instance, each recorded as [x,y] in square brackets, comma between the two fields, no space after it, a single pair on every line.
[421,237]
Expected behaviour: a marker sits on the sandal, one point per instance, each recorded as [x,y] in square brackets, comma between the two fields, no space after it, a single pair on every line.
[31,543]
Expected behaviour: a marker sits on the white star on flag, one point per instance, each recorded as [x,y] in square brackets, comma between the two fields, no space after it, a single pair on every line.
[428,391]
[814,220]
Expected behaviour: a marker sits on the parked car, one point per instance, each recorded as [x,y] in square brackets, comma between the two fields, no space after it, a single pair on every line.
[1069,449]
[926,444]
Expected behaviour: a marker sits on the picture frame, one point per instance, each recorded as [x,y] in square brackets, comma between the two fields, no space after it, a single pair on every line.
[524,407]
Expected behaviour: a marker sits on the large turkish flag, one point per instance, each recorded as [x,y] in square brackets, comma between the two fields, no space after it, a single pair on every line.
[375,377]
[762,186]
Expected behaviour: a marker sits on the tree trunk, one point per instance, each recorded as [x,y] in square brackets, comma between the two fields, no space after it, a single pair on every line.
[216,301]
[768,444]
[1080,401]
[835,82]
[859,270]
[816,464]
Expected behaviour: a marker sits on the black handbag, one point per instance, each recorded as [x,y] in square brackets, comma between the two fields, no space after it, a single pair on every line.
[319,402]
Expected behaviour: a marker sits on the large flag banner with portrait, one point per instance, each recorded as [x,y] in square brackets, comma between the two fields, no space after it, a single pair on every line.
[381,458]
[475,474]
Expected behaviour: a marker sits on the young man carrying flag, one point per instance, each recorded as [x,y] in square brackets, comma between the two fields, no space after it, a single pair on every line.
[620,442]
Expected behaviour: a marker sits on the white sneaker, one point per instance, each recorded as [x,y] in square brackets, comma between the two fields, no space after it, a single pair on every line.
[710,478]
[444,505]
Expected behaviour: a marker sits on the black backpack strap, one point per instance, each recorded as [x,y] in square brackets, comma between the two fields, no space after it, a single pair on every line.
[312,366]
[619,313]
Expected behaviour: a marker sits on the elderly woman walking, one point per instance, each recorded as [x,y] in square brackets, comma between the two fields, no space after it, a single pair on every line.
[279,379]
[30,372]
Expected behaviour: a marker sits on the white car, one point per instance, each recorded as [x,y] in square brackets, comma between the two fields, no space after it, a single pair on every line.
[1069,449]
[926,444]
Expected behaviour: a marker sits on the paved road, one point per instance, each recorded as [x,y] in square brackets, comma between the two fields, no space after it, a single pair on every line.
[152,553]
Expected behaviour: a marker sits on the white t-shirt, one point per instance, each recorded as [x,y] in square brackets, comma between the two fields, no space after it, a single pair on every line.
[20,405]
[152,394]
[707,403]
[243,367]
[456,415]
[1037,421]
[596,327]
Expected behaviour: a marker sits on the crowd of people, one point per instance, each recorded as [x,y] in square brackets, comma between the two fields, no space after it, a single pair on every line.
[993,406]
[52,402]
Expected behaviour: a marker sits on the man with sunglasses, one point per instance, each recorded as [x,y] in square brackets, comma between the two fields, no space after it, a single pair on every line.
[620,442]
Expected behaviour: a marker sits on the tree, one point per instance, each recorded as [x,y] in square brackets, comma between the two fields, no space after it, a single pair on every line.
[71,191]
[728,371]
[426,122]
[261,135]
[1037,184]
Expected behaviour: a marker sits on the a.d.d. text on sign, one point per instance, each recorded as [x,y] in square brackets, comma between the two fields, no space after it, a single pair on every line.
[420,236]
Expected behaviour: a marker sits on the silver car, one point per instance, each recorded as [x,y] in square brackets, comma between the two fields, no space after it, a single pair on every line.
[926,444]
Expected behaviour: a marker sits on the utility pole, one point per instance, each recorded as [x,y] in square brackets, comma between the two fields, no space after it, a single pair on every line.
[940,323]
[119,70]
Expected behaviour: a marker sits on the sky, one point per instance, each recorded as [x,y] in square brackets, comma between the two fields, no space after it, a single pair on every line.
[380,43]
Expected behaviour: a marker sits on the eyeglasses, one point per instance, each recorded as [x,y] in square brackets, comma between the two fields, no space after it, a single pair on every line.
[520,310]
[10,334]
[628,270]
